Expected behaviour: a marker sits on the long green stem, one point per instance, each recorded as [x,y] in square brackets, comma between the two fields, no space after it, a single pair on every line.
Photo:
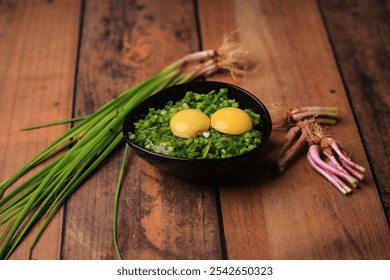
[53,123]
[116,202]
[72,185]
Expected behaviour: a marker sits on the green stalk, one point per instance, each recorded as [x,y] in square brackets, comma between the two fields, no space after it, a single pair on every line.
[116,202]
[53,123]
[50,196]
[29,183]
[72,185]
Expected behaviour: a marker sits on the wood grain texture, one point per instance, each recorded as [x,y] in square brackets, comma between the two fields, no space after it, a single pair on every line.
[295,215]
[38,45]
[364,60]
[160,217]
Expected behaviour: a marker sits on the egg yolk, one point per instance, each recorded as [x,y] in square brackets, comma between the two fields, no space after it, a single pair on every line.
[189,123]
[231,120]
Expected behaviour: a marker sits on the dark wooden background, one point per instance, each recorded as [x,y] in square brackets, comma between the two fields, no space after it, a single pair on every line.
[60,59]
[359,32]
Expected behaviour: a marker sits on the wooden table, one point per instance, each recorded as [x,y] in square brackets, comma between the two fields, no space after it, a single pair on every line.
[60,59]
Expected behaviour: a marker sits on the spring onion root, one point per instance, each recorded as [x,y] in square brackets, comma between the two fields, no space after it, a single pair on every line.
[81,150]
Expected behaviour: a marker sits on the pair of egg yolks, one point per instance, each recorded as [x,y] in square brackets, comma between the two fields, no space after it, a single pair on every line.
[189,123]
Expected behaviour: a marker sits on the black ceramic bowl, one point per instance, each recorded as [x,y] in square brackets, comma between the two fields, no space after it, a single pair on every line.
[198,168]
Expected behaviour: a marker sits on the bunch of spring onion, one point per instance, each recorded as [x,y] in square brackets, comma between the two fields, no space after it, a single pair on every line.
[86,145]
[325,154]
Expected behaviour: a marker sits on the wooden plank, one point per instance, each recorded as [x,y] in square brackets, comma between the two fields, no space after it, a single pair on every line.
[297,214]
[364,63]
[160,217]
[38,45]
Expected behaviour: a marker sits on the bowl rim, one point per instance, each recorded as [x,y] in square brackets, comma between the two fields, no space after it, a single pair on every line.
[188,84]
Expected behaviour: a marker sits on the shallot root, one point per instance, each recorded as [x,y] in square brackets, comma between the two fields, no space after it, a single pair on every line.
[325,154]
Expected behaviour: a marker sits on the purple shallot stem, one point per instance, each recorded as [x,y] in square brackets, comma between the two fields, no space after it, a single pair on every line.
[299,116]
[354,172]
[323,120]
[293,151]
[314,108]
[315,154]
[333,160]
[278,152]
[331,178]
[329,109]
[343,157]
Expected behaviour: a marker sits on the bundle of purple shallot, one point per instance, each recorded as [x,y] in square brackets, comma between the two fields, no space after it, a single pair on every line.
[324,153]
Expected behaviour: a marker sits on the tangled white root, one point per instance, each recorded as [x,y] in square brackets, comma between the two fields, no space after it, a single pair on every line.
[315,132]
[235,57]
